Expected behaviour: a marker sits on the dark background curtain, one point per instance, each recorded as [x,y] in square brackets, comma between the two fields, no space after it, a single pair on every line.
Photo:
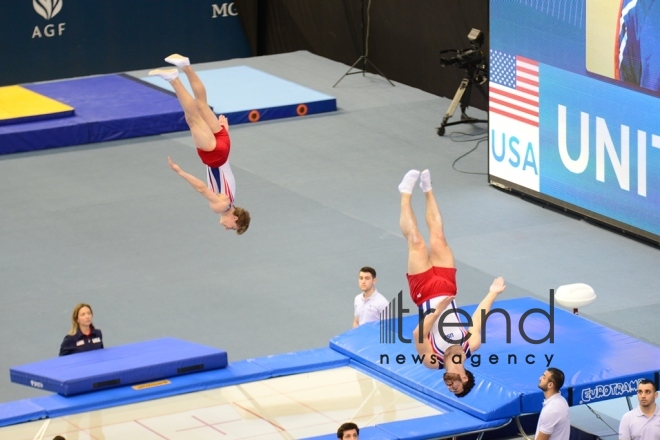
[405,36]
[47,40]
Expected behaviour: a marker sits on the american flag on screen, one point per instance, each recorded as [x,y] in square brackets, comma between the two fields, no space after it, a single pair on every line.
[514,87]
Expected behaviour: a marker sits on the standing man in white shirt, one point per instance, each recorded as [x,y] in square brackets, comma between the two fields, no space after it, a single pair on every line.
[369,303]
[643,422]
[554,420]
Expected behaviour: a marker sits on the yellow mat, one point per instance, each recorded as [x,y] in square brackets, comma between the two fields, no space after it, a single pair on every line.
[18,104]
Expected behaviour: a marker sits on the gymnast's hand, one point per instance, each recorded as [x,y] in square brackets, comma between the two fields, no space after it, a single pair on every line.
[224,122]
[174,166]
[498,286]
[446,300]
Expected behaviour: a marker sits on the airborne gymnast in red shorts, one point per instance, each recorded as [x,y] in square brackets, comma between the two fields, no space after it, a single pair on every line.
[211,137]
[432,281]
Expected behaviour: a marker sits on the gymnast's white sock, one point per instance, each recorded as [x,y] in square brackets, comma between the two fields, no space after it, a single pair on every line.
[408,183]
[168,74]
[178,60]
[425,181]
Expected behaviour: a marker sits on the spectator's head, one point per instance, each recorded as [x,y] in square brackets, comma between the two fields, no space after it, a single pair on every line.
[348,431]
[646,393]
[552,380]
[367,279]
[82,316]
[556,377]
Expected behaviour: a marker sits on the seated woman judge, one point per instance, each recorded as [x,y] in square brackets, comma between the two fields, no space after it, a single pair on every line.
[83,336]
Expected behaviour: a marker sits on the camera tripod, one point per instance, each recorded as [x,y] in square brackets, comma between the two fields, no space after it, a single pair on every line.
[364,58]
[462,97]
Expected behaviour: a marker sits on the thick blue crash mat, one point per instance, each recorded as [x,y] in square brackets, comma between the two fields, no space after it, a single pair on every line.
[523,338]
[118,366]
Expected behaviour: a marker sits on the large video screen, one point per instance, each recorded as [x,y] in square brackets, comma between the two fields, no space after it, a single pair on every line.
[574,106]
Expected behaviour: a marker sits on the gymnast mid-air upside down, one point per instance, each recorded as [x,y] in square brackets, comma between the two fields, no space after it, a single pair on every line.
[432,281]
[211,137]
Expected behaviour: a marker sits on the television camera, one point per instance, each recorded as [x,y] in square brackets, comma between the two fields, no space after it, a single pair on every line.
[473,61]
[466,58]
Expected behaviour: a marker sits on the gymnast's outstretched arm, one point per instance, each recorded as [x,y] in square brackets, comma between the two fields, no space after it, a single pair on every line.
[475,331]
[219,203]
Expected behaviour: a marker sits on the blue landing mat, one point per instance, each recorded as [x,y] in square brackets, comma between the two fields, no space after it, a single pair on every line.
[111,107]
[450,422]
[118,366]
[599,363]
[107,107]
[244,94]
[235,373]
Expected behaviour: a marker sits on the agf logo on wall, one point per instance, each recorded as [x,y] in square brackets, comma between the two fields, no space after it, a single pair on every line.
[48,9]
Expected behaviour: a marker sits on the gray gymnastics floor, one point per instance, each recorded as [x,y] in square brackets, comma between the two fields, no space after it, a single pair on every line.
[110,224]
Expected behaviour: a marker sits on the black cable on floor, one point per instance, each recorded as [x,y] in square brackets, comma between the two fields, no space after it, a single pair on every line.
[455,137]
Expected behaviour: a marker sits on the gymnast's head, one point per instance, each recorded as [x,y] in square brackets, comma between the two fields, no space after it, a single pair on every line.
[459,383]
[459,380]
[237,219]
